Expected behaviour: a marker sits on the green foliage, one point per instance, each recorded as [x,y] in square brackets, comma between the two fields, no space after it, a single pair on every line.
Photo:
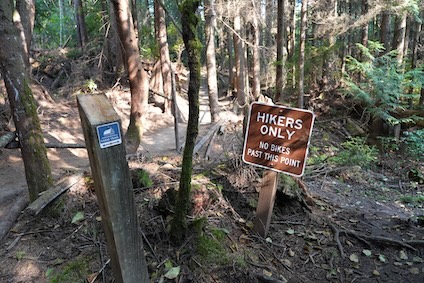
[414,144]
[141,179]
[383,86]
[412,199]
[74,271]
[356,152]
[210,247]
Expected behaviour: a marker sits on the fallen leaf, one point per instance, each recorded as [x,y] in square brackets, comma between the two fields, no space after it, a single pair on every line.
[266,273]
[77,217]
[397,263]
[367,252]
[268,240]
[354,258]
[382,258]
[287,262]
[403,255]
[173,273]
[417,259]
[376,273]
[290,231]
[414,270]
[291,252]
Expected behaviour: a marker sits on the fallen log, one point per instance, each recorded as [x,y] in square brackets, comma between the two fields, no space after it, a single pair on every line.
[50,145]
[48,196]
[7,138]
[206,137]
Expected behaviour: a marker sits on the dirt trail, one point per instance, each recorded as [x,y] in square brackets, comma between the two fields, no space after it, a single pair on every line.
[61,124]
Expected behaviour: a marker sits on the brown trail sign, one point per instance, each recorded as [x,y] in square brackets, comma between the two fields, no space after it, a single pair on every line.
[277,138]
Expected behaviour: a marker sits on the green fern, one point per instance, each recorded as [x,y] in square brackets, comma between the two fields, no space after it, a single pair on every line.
[384,87]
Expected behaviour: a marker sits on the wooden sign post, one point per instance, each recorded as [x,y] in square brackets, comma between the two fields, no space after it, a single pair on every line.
[277,139]
[112,182]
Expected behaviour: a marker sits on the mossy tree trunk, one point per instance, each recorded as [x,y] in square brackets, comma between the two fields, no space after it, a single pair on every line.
[22,104]
[139,81]
[189,22]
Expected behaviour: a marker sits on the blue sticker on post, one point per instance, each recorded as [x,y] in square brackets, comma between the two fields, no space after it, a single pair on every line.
[109,134]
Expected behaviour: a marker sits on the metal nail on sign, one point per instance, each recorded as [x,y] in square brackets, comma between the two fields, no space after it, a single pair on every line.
[109,134]
[277,138]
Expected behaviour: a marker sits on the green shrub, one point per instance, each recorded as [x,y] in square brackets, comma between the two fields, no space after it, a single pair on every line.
[380,84]
[414,144]
[356,152]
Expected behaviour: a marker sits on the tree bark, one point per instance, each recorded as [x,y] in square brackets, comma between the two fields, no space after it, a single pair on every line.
[22,104]
[399,37]
[165,60]
[385,30]
[26,9]
[231,83]
[239,60]
[189,22]
[279,81]
[256,60]
[210,26]
[302,42]
[139,81]
[80,21]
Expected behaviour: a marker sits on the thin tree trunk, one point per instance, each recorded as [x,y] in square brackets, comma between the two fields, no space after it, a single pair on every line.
[279,82]
[240,69]
[385,30]
[80,21]
[256,60]
[134,16]
[165,60]
[26,9]
[414,57]
[399,37]
[302,42]
[230,62]
[189,22]
[210,26]
[115,44]
[22,104]
[139,81]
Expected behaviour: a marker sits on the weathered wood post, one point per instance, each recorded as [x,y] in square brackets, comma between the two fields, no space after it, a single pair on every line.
[112,182]
[265,202]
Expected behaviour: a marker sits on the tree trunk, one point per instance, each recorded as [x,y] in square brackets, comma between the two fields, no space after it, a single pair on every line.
[189,22]
[22,104]
[302,42]
[240,69]
[134,16]
[414,57]
[256,60]
[80,21]
[161,36]
[231,83]
[26,9]
[210,26]
[139,81]
[385,30]
[399,37]
[279,82]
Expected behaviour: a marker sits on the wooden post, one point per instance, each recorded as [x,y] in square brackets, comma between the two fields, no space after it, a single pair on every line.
[266,202]
[112,182]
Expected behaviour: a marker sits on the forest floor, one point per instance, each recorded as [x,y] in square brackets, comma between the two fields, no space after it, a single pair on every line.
[359,227]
